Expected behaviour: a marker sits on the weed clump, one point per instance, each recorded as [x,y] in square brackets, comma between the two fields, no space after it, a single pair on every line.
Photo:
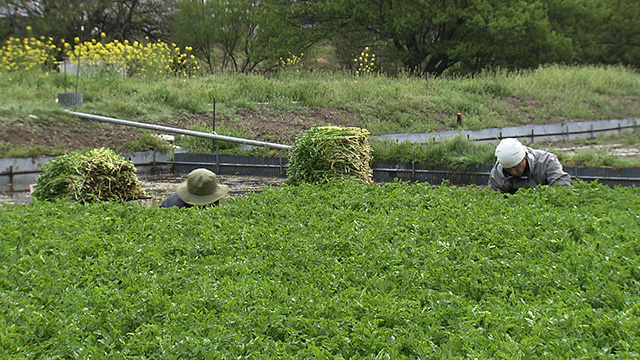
[327,152]
[97,175]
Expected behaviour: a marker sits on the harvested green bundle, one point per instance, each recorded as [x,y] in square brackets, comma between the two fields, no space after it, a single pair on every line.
[97,175]
[326,152]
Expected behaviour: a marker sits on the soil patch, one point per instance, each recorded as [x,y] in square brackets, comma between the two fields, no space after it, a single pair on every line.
[159,186]
[56,136]
[274,125]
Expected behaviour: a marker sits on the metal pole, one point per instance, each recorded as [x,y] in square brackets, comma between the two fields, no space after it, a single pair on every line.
[79,50]
[178,131]
[213,142]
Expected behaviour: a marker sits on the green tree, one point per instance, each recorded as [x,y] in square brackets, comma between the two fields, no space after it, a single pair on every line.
[86,19]
[601,32]
[196,25]
[279,27]
[247,34]
[622,40]
[431,37]
[133,19]
[11,21]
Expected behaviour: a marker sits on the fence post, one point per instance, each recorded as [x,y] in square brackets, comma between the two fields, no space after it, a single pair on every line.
[413,169]
[217,161]
[592,131]
[11,188]
[280,157]
[532,136]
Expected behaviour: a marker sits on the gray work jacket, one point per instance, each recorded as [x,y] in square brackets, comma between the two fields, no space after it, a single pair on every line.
[543,168]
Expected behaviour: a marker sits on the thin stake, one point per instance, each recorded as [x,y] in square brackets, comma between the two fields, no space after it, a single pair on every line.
[213,113]
[79,52]
[65,73]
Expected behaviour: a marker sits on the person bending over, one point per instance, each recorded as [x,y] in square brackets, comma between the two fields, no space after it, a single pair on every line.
[520,166]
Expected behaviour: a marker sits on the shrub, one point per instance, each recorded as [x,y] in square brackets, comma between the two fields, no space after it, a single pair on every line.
[99,174]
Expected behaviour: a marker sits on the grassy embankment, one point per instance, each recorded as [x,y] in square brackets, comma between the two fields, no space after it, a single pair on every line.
[382,104]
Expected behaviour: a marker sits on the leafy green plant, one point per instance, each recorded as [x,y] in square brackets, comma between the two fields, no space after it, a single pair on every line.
[146,142]
[97,175]
[455,153]
[339,270]
[203,145]
[327,152]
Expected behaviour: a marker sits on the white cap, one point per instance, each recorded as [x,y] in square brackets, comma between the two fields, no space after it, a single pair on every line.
[510,152]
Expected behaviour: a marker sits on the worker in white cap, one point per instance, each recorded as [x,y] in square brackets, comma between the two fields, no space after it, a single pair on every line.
[520,166]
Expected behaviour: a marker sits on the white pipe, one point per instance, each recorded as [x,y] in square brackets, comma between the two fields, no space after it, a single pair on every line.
[179,131]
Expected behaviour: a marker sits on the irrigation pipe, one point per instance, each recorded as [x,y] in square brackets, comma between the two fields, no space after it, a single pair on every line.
[179,131]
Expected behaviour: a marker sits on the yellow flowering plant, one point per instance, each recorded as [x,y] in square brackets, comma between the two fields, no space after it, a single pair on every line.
[365,62]
[28,53]
[133,59]
[293,61]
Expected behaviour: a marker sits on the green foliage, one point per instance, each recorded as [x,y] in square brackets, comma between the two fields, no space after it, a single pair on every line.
[97,175]
[202,145]
[341,270]
[327,152]
[146,142]
[599,158]
[463,37]
[600,32]
[249,36]
[455,153]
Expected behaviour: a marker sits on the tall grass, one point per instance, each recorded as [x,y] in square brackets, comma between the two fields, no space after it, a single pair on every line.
[455,153]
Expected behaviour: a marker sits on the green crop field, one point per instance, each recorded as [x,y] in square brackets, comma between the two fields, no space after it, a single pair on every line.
[336,271]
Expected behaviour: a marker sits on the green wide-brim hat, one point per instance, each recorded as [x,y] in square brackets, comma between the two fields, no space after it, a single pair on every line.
[201,188]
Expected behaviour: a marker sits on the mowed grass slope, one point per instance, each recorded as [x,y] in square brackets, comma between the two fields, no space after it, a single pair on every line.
[384,104]
[335,271]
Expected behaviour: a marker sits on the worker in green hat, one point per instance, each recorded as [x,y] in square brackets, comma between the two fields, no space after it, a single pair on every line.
[201,188]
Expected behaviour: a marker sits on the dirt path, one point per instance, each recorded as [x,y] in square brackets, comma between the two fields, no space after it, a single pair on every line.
[159,186]
[162,185]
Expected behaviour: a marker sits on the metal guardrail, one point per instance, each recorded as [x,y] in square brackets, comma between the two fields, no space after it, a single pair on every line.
[533,135]
[552,132]
[178,131]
